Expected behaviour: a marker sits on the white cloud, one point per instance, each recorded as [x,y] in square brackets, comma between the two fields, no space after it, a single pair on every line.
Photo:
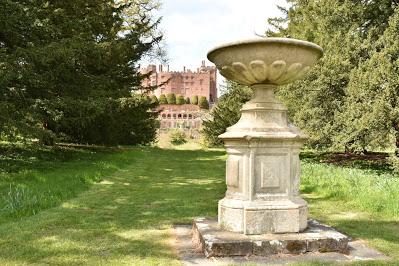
[193,27]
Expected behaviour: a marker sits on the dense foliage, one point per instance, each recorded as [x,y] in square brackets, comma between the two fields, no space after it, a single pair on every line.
[350,99]
[162,99]
[177,137]
[154,99]
[180,100]
[203,102]
[171,98]
[67,70]
[194,100]
[225,113]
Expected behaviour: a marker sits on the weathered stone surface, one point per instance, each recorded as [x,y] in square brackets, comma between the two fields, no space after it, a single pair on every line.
[216,242]
[265,61]
[191,256]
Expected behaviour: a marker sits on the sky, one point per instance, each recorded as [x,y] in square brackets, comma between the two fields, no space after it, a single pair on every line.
[192,27]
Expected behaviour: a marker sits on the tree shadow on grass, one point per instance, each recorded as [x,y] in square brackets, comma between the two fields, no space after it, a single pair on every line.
[126,217]
[27,157]
[376,161]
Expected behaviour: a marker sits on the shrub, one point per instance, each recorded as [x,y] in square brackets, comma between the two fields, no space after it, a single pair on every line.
[180,100]
[154,99]
[171,98]
[226,112]
[394,162]
[178,137]
[194,100]
[162,99]
[188,100]
[203,103]
[124,121]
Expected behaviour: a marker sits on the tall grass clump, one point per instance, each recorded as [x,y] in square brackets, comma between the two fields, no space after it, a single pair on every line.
[19,200]
[363,189]
[33,179]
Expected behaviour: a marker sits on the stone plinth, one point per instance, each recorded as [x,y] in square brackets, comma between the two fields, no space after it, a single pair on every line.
[216,242]
[263,168]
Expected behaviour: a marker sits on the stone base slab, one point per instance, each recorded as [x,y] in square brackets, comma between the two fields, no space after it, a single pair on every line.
[216,242]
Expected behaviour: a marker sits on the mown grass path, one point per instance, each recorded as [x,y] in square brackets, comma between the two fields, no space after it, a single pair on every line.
[126,218]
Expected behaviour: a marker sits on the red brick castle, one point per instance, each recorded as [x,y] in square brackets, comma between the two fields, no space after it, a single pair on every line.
[187,83]
[201,82]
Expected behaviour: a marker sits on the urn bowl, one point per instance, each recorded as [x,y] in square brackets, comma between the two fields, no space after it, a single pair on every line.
[275,61]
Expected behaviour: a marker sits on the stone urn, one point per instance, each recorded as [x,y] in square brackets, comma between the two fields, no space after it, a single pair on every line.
[263,167]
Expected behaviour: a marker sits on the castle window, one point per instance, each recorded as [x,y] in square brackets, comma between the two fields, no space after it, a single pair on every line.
[190,116]
[174,116]
[169,116]
[179,116]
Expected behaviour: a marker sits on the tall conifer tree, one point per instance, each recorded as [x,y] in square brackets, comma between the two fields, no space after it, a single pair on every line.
[68,66]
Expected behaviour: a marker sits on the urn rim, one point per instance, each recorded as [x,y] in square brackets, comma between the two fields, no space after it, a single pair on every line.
[276,40]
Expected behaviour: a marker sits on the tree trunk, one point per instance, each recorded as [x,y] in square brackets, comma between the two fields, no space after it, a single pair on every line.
[396,127]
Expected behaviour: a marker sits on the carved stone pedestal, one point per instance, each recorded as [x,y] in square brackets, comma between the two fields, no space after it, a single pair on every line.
[263,170]
[262,210]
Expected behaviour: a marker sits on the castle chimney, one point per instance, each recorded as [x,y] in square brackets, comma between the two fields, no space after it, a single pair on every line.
[203,63]
[161,68]
[184,69]
[168,68]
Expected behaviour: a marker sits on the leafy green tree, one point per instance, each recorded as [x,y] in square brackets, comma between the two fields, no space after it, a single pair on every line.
[180,100]
[187,100]
[194,100]
[347,30]
[171,98]
[203,102]
[65,64]
[226,112]
[162,99]
[371,106]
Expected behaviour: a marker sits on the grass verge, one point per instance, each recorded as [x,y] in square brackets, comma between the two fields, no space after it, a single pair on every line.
[126,218]
[35,178]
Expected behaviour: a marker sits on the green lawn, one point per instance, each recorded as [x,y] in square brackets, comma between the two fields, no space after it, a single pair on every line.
[117,206]
[33,178]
